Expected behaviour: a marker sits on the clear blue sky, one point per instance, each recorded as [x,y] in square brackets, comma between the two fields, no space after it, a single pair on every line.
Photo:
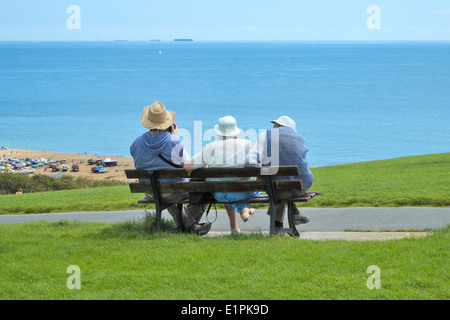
[225,20]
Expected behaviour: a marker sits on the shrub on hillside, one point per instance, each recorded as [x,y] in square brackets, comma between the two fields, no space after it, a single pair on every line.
[10,183]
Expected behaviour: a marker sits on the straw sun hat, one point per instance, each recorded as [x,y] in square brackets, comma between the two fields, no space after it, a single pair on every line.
[157,117]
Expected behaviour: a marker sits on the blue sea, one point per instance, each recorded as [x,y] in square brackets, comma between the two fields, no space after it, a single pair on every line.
[352,101]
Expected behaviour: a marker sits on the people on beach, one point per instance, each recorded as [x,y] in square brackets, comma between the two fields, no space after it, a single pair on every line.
[292,149]
[153,150]
[228,150]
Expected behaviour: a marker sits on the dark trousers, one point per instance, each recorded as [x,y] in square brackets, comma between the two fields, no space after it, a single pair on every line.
[190,214]
[279,208]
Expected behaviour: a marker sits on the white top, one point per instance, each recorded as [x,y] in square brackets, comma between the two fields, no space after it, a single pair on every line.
[259,150]
[223,153]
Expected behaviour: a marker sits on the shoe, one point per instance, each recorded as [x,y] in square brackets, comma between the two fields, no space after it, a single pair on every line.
[200,228]
[247,214]
[299,218]
[235,231]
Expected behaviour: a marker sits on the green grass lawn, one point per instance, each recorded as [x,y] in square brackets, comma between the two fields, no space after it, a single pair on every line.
[409,181]
[120,261]
[92,199]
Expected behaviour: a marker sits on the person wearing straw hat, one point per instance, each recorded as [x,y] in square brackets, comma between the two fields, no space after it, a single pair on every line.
[161,148]
[292,149]
[228,150]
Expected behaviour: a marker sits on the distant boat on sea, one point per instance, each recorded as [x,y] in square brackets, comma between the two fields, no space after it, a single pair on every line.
[183,40]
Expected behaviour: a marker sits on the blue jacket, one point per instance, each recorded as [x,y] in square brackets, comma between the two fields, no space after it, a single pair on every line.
[146,148]
[292,151]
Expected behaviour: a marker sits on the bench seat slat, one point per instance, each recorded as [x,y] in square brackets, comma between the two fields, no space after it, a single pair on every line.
[217,186]
[212,172]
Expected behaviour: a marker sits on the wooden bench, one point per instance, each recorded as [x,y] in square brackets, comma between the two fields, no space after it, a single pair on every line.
[264,183]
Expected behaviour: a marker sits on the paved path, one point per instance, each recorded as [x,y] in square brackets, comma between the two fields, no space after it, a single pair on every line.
[325,223]
[328,219]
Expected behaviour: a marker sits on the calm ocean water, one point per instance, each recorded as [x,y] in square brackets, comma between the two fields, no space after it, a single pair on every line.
[352,101]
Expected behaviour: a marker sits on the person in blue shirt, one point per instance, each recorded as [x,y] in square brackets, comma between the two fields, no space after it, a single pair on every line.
[161,148]
[290,148]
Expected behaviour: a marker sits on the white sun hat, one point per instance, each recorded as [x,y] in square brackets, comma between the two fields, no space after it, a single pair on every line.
[227,127]
[285,121]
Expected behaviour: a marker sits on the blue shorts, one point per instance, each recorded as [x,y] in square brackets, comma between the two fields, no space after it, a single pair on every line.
[235,196]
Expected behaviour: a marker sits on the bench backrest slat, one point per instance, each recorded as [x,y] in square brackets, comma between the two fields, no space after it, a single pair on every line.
[213,172]
[217,186]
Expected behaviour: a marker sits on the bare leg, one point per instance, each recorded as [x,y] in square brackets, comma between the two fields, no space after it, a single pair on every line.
[233,219]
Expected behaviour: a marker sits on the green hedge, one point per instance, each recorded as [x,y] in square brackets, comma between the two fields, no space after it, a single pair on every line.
[10,183]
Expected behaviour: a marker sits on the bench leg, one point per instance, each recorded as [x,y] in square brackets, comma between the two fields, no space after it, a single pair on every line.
[159,208]
[292,230]
[290,212]
[180,217]
[272,219]
[158,216]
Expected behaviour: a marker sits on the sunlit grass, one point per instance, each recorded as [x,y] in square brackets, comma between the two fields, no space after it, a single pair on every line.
[125,261]
[409,181]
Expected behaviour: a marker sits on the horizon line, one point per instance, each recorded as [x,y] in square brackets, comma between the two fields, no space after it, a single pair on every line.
[193,40]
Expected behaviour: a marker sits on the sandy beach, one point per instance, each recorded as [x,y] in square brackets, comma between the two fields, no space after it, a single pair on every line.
[113,173]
